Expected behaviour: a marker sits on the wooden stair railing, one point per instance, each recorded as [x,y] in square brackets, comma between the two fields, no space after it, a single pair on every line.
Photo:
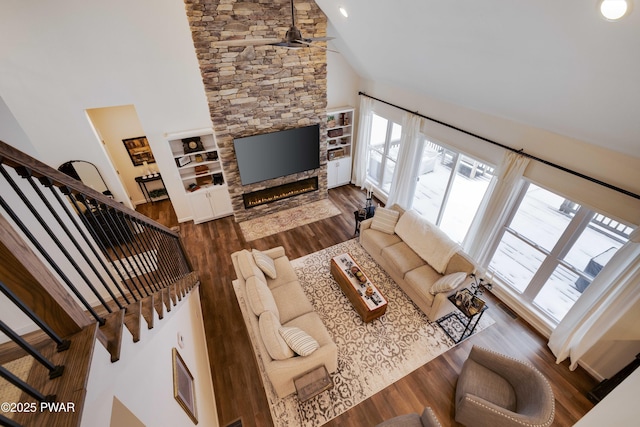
[84,266]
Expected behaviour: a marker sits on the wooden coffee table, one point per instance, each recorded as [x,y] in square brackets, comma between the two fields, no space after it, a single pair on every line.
[369,305]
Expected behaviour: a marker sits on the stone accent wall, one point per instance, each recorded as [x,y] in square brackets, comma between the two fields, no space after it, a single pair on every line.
[260,89]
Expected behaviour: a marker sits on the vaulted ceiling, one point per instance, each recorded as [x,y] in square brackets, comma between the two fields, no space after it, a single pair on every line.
[555,65]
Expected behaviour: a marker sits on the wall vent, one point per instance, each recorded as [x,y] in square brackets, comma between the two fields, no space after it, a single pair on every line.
[507,310]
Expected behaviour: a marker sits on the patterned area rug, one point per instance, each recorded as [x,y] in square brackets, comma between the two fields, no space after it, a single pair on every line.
[370,356]
[267,225]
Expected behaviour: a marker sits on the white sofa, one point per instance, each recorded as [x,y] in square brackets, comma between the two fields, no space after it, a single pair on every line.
[417,254]
[281,302]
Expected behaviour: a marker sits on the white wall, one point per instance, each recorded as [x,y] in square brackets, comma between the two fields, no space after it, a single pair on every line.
[342,81]
[143,377]
[12,133]
[618,408]
[58,59]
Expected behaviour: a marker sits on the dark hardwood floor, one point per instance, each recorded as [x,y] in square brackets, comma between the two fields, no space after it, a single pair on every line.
[238,388]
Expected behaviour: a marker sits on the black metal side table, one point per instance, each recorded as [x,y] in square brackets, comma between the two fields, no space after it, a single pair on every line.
[362,214]
[469,321]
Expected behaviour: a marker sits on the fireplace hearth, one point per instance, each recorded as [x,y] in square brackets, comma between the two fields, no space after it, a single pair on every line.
[284,191]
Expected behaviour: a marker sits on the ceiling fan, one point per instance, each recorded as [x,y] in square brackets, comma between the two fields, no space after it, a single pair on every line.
[292,40]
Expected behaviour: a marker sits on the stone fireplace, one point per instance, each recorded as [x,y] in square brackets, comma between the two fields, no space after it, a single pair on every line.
[260,89]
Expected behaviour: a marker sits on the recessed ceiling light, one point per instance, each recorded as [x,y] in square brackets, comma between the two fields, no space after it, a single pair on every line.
[344,12]
[613,10]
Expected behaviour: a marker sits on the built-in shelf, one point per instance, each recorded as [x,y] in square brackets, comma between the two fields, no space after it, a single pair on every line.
[195,154]
[339,142]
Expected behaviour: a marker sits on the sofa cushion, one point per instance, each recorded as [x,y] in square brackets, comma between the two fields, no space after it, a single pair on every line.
[460,262]
[312,324]
[260,297]
[286,273]
[402,257]
[298,340]
[270,332]
[448,283]
[427,240]
[248,266]
[264,263]
[375,240]
[291,301]
[421,279]
[385,220]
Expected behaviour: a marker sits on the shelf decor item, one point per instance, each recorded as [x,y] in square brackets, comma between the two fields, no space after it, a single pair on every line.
[139,150]
[183,161]
[192,145]
[468,303]
[184,387]
[218,179]
[333,133]
[201,170]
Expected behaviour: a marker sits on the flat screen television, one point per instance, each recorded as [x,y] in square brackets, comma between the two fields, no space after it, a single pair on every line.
[276,154]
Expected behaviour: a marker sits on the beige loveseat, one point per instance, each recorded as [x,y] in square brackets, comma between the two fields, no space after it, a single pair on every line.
[417,254]
[281,302]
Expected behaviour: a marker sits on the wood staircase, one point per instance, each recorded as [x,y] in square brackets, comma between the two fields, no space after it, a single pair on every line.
[56,385]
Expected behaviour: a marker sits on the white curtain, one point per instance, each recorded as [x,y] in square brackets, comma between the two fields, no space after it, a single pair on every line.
[361,155]
[403,183]
[614,291]
[495,206]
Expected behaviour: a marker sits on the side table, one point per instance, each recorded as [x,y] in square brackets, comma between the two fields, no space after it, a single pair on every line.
[470,318]
[362,214]
[142,183]
[312,383]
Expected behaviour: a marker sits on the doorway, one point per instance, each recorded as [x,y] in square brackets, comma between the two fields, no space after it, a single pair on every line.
[124,140]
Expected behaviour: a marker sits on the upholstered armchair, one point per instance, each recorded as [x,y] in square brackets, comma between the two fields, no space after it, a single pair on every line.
[494,390]
[427,419]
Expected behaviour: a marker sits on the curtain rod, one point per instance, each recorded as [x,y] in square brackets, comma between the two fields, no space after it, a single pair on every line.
[521,151]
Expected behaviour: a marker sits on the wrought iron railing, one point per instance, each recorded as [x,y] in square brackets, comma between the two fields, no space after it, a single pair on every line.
[72,256]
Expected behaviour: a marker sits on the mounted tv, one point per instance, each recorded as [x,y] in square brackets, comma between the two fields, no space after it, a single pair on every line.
[276,154]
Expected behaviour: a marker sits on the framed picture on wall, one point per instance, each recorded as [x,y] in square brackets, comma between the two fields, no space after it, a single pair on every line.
[183,386]
[139,150]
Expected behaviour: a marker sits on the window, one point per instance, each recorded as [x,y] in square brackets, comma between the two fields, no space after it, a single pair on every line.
[450,188]
[450,185]
[552,248]
[383,152]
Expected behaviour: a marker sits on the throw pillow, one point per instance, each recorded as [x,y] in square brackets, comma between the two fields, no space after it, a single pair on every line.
[248,266]
[269,331]
[260,297]
[265,263]
[299,341]
[448,282]
[385,220]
